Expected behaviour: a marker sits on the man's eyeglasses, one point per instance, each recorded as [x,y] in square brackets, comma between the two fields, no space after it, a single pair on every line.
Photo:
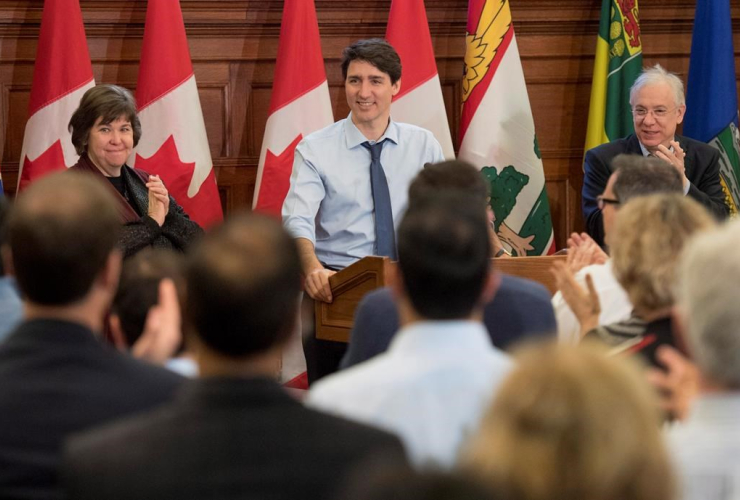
[601,201]
[641,112]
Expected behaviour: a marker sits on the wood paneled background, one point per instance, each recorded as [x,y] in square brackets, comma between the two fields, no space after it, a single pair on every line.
[233,44]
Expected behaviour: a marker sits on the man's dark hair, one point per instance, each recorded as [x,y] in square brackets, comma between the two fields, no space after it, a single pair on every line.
[444,255]
[61,232]
[4,211]
[375,51]
[110,102]
[640,176]
[243,283]
[138,288]
[446,176]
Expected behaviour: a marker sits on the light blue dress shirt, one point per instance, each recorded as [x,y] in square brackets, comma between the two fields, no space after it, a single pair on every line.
[330,201]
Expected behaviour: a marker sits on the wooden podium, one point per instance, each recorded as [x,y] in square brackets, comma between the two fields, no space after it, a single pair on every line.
[348,286]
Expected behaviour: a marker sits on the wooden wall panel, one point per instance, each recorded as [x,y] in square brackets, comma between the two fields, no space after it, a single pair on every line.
[233,44]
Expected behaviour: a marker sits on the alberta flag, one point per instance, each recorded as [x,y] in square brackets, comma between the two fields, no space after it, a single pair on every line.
[497,130]
[618,63]
[711,100]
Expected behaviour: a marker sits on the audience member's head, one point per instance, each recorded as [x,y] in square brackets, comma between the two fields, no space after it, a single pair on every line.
[648,236]
[571,423]
[634,176]
[4,211]
[62,233]
[382,481]
[444,256]
[243,285]
[375,51]
[138,291]
[708,290]
[450,175]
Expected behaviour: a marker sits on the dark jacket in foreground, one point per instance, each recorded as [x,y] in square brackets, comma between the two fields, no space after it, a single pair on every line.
[222,438]
[520,309]
[702,170]
[140,230]
[57,379]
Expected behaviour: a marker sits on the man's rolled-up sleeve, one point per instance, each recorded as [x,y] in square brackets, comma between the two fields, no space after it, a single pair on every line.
[304,198]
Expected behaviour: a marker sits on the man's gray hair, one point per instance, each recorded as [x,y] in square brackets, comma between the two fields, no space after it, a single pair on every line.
[640,176]
[708,290]
[655,76]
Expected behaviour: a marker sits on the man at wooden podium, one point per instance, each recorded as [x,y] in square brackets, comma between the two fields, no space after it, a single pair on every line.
[348,189]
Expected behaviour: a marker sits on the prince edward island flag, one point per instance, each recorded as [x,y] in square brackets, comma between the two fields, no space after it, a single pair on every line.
[618,62]
[497,130]
[711,101]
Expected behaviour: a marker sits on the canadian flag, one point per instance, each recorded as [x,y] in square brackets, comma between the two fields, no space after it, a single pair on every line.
[420,101]
[299,103]
[174,144]
[61,75]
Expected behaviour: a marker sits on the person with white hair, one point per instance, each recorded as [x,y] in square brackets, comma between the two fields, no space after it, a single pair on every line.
[706,446]
[658,106]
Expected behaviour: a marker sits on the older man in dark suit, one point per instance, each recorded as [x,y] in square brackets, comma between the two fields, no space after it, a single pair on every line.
[235,433]
[658,106]
[56,378]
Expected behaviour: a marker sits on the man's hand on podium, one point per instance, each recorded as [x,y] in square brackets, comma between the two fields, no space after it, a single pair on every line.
[317,284]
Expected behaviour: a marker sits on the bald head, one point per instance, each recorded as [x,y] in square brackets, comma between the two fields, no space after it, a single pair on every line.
[61,231]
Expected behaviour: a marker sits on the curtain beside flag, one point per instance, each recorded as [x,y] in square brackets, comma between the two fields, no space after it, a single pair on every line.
[299,104]
[617,65]
[711,100]
[497,130]
[61,75]
[420,101]
[173,142]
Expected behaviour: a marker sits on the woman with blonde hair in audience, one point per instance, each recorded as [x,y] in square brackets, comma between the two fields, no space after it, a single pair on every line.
[647,238]
[571,423]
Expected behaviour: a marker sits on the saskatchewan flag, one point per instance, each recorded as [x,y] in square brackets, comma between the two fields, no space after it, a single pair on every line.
[711,101]
[618,63]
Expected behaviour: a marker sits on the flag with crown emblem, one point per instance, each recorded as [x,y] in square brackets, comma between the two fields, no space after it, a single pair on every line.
[618,63]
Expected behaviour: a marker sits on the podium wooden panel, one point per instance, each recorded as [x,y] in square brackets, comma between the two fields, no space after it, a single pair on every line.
[348,286]
[533,268]
[334,321]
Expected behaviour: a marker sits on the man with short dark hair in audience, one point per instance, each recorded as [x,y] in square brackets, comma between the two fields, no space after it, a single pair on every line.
[633,176]
[56,378]
[11,307]
[139,296]
[234,433]
[441,370]
[520,309]
[706,447]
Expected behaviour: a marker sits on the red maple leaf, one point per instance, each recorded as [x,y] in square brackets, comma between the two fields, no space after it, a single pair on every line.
[276,180]
[205,207]
[49,161]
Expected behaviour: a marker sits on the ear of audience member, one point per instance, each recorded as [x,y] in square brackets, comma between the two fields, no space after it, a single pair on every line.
[138,292]
[571,423]
[11,307]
